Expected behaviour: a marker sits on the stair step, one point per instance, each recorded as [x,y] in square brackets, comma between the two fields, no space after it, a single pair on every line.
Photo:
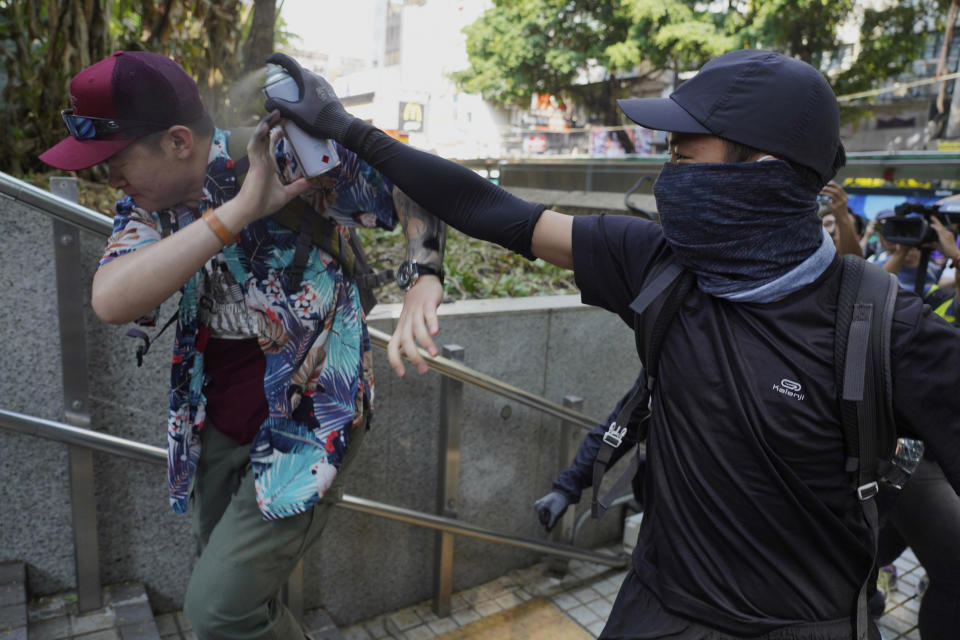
[13,601]
[125,615]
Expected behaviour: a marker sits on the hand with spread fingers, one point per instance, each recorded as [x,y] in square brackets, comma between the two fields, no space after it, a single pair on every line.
[416,326]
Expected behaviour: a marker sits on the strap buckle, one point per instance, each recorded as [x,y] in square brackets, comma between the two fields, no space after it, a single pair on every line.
[867,491]
[614,435]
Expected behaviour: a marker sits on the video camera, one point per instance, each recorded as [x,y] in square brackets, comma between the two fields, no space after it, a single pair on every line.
[910,223]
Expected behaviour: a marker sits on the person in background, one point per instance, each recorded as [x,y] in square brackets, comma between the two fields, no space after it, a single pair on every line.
[838,220]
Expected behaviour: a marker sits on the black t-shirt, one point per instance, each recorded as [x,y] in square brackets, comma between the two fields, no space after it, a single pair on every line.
[750,521]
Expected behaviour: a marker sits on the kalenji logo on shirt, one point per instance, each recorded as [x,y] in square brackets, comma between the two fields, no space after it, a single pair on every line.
[789,388]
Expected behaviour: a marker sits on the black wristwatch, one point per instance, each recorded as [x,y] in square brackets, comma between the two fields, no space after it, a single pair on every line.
[410,270]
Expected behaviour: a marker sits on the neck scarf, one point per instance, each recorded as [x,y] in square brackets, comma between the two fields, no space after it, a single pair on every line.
[749,231]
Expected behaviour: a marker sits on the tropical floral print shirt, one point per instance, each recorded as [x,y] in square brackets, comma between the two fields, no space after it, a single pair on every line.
[314,340]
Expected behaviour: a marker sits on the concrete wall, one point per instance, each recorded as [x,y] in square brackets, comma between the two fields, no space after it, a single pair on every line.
[363,565]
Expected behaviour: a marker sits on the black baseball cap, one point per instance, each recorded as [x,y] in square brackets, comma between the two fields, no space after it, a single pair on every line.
[762,99]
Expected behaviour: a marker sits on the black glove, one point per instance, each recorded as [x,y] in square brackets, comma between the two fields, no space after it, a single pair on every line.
[550,507]
[318,112]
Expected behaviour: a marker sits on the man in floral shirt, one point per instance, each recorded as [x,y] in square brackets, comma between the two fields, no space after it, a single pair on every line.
[271,382]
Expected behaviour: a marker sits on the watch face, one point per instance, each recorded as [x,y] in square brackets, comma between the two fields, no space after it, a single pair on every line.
[404,274]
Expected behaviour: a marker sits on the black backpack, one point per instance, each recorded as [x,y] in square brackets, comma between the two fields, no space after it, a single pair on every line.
[863,377]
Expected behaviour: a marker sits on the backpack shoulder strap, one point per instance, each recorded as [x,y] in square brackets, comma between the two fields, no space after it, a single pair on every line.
[661,300]
[864,320]
[863,370]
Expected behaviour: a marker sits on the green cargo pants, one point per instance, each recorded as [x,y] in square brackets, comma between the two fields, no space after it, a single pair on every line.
[244,560]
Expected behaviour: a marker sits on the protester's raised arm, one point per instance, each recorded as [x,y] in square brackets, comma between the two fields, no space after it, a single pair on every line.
[136,283]
[457,195]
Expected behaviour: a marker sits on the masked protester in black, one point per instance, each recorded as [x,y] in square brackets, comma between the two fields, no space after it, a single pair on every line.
[752,525]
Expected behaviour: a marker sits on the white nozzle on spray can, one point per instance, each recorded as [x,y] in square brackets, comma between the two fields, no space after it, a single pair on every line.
[315,155]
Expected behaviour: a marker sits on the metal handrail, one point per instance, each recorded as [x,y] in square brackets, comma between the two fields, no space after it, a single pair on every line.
[90,220]
[114,445]
[64,210]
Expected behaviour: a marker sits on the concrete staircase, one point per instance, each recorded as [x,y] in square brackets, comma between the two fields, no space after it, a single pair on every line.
[125,615]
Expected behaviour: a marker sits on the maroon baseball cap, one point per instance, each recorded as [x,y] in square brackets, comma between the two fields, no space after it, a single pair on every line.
[118,100]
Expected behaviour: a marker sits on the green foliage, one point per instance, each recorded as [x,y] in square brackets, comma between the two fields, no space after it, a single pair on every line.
[518,48]
[473,269]
[891,39]
[43,44]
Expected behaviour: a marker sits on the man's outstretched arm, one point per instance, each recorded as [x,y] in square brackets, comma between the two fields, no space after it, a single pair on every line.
[460,197]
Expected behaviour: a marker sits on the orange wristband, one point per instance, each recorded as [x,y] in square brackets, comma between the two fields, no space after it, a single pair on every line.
[222,233]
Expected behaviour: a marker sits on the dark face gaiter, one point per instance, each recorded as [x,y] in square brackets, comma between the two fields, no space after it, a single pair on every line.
[742,226]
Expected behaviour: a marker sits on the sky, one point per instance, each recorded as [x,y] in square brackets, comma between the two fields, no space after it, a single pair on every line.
[341,28]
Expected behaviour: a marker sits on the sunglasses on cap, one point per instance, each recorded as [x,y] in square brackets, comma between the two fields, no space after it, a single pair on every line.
[88,128]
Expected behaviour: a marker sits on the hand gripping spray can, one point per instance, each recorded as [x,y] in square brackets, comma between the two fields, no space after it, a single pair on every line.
[315,156]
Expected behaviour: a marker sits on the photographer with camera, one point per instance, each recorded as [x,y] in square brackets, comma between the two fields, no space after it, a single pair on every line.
[838,220]
[916,229]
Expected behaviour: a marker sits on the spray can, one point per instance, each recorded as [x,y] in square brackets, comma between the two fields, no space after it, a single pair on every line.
[315,156]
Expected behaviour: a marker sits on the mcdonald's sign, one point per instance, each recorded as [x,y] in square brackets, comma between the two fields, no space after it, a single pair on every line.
[411,116]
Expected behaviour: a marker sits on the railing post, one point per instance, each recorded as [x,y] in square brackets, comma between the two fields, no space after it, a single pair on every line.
[448,482]
[563,533]
[76,398]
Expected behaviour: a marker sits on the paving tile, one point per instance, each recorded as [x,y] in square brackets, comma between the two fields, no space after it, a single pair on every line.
[903,566]
[596,627]
[166,624]
[486,608]
[894,624]
[13,572]
[356,632]
[583,615]
[140,631]
[565,601]
[913,604]
[124,592]
[95,621]
[402,620]
[375,627]
[54,628]
[909,556]
[103,634]
[508,600]
[443,625]
[317,621]
[182,622]
[586,594]
[458,602]
[137,612]
[607,587]
[20,633]
[43,608]
[327,633]
[465,616]
[13,616]
[904,614]
[601,607]
[425,611]
[423,632]
[12,593]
